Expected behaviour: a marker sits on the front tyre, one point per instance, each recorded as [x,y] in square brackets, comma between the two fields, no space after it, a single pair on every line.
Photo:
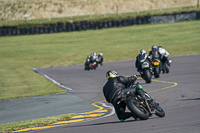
[159,111]
[147,76]
[139,111]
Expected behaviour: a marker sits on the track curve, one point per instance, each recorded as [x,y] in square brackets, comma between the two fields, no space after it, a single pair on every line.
[180,102]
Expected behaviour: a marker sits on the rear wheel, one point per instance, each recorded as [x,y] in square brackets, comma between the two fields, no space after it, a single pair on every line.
[156,72]
[160,68]
[167,68]
[137,110]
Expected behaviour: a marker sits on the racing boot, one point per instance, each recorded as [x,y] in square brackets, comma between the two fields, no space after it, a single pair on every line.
[125,116]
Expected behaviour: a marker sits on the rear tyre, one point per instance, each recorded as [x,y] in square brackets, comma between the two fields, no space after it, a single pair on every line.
[156,72]
[160,68]
[138,111]
[167,68]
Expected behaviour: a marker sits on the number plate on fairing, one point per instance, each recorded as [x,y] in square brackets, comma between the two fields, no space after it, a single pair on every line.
[145,65]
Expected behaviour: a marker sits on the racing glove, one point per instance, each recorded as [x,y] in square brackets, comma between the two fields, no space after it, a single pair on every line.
[132,79]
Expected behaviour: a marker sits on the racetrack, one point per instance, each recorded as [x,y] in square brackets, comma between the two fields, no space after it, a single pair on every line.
[177,92]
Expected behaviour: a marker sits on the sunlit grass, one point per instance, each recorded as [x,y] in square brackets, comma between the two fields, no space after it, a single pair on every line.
[19,54]
[14,126]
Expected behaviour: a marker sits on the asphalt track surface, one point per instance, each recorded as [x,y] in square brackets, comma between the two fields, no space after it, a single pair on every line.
[177,92]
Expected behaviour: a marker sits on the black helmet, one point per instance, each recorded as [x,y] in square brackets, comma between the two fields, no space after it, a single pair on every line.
[154,47]
[159,47]
[111,74]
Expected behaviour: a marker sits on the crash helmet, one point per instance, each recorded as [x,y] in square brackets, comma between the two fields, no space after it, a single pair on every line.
[153,47]
[111,74]
[159,47]
[101,54]
[142,51]
[94,53]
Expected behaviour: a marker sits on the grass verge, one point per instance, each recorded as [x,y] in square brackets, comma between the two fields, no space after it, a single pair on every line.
[14,126]
[19,54]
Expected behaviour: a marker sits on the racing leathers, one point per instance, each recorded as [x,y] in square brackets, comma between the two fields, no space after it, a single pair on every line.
[93,58]
[100,59]
[144,57]
[155,54]
[113,88]
[164,57]
[164,54]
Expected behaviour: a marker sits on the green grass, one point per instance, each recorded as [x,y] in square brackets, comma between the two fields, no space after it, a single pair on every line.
[8,127]
[19,54]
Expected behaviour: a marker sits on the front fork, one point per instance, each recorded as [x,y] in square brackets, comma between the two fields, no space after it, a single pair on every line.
[148,108]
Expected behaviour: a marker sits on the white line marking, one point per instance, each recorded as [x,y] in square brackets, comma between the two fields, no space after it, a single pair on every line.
[52,80]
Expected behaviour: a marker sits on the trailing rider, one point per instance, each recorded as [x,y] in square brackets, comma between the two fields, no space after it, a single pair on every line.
[114,87]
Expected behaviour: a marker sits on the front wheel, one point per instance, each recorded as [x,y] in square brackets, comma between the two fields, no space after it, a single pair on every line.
[159,111]
[147,76]
[137,110]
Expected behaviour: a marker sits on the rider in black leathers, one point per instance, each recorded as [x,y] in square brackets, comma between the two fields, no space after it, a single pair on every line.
[140,57]
[155,53]
[113,88]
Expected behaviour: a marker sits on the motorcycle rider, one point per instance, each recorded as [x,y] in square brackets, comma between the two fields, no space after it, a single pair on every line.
[155,53]
[143,56]
[93,57]
[100,58]
[164,56]
[87,61]
[114,87]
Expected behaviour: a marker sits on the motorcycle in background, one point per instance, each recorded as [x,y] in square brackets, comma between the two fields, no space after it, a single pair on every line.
[90,65]
[94,65]
[165,66]
[87,64]
[100,59]
[156,68]
[93,61]
[145,71]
